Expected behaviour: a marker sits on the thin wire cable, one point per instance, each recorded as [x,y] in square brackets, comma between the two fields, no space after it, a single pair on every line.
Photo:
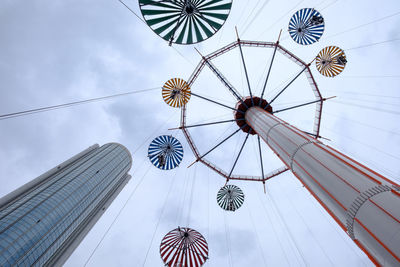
[364,144]
[156,131]
[251,13]
[362,123]
[299,215]
[284,15]
[370,76]
[159,218]
[275,207]
[330,4]
[181,201]
[119,213]
[359,99]
[373,44]
[362,94]
[190,62]
[191,196]
[48,108]
[182,208]
[367,107]
[228,240]
[257,235]
[133,12]
[332,223]
[255,16]
[376,166]
[272,225]
[363,25]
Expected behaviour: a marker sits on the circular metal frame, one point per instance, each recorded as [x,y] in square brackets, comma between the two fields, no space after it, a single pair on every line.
[176,92]
[185,21]
[184,247]
[207,61]
[306,26]
[230,197]
[165,152]
[331,61]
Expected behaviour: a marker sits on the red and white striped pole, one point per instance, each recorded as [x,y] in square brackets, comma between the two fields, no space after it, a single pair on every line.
[364,203]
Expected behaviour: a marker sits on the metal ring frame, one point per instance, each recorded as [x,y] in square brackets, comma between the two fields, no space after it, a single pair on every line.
[207,61]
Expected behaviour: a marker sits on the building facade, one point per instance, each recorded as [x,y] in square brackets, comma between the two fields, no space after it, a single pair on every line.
[42,222]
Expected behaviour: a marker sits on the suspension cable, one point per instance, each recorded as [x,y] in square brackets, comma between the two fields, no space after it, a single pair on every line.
[330,221]
[251,12]
[273,227]
[43,109]
[367,107]
[330,4]
[119,212]
[299,215]
[362,25]
[161,215]
[280,216]
[370,76]
[362,94]
[228,240]
[255,16]
[280,18]
[257,235]
[133,12]
[181,201]
[362,123]
[156,130]
[364,144]
[373,44]
[191,196]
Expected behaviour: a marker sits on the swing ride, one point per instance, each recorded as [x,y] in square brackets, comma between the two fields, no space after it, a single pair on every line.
[361,201]
[341,185]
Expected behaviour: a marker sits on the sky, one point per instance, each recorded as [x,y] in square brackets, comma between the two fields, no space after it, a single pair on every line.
[55,52]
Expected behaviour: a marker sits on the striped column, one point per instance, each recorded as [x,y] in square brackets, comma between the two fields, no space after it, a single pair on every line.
[364,203]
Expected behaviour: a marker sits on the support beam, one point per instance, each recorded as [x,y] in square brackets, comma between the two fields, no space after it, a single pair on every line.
[203,124]
[215,102]
[222,78]
[220,143]
[240,152]
[304,104]
[364,203]
[270,67]
[273,99]
[244,66]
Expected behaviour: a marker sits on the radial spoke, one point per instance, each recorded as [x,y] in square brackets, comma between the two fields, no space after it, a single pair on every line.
[220,143]
[240,152]
[245,69]
[304,104]
[222,78]
[261,160]
[269,71]
[204,124]
[215,102]
[269,104]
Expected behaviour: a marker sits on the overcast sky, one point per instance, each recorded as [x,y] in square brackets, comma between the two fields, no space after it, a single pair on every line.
[56,51]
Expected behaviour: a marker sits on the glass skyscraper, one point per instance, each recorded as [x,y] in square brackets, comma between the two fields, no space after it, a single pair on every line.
[42,222]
